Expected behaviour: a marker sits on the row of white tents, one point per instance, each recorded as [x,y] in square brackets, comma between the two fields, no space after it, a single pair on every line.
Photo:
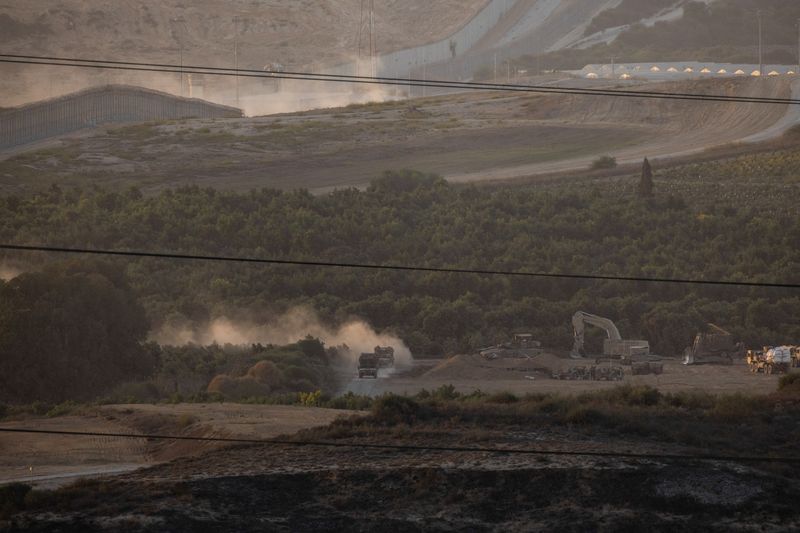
[662,71]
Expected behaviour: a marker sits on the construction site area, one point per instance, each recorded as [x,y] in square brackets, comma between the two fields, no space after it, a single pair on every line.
[715,363]
[356,265]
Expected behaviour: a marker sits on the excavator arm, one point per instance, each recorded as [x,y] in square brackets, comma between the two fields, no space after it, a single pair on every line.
[579,321]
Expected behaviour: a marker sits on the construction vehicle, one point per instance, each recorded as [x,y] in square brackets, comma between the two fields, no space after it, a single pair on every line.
[770,360]
[521,346]
[613,346]
[368,366]
[385,355]
[715,346]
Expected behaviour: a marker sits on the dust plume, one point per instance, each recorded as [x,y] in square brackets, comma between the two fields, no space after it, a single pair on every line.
[8,272]
[255,96]
[296,324]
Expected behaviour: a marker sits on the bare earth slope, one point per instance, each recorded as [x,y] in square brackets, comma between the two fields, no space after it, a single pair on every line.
[299,34]
[469,137]
[51,460]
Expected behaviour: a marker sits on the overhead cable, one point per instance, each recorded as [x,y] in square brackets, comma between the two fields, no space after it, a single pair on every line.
[391,267]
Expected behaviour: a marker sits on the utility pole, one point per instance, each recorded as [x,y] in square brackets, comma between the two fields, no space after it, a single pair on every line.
[372,48]
[236,55]
[181,25]
[613,67]
[495,67]
[798,46]
[760,46]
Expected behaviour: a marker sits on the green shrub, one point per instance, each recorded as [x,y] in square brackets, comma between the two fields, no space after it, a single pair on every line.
[789,382]
[186,420]
[12,499]
[604,162]
[445,392]
[311,399]
[61,409]
[642,395]
[350,401]
[582,414]
[502,397]
[391,409]
[40,408]
[737,407]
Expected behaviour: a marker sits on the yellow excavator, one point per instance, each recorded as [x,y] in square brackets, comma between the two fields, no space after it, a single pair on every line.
[614,346]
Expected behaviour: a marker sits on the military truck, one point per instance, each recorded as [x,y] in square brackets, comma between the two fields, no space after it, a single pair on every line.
[368,366]
[385,355]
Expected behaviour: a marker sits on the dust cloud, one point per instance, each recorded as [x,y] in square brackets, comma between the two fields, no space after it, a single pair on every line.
[296,324]
[256,96]
[8,272]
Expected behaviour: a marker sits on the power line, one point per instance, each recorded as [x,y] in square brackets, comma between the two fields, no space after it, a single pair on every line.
[419,448]
[403,268]
[341,78]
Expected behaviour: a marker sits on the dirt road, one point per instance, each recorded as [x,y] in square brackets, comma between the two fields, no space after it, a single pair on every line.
[51,460]
[466,137]
[470,373]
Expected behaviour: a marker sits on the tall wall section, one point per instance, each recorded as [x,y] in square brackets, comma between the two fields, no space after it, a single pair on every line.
[100,105]
[402,62]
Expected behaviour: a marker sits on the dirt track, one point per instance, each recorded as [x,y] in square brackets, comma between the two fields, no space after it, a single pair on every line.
[469,373]
[51,460]
[469,137]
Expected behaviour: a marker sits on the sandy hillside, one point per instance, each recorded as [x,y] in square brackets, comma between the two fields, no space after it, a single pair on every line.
[299,34]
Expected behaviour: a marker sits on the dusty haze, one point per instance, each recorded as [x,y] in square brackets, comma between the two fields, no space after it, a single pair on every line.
[299,34]
[296,324]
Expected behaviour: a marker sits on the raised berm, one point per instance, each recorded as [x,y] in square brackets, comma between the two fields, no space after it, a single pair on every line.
[475,367]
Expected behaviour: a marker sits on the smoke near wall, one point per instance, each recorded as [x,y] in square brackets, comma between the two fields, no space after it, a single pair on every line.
[294,325]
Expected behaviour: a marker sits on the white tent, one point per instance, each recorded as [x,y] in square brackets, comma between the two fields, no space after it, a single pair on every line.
[688,69]
[739,72]
[774,73]
[625,77]
[756,73]
[592,76]
[705,71]
[672,69]
[655,69]
[722,71]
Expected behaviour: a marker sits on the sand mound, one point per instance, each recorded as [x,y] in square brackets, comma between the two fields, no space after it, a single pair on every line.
[476,367]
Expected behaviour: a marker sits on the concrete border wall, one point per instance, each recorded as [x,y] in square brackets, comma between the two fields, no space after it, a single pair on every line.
[402,62]
[100,105]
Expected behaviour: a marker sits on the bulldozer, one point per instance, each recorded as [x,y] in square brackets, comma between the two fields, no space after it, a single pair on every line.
[715,346]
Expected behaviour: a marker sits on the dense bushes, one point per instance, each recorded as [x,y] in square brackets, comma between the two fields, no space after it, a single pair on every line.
[72,331]
[714,228]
